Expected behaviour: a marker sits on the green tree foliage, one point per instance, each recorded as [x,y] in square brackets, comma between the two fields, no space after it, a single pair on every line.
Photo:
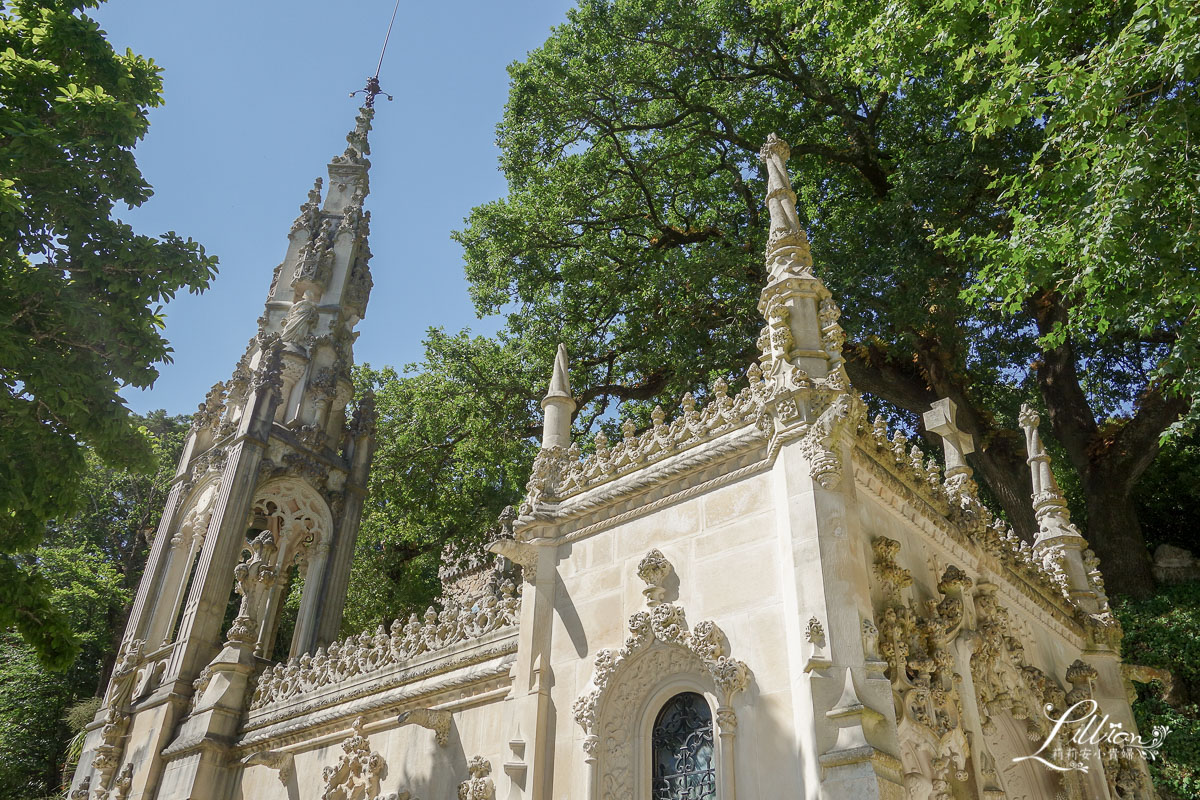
[453,449]
[1164,631]
[92,562]
[79,290]
[633,226]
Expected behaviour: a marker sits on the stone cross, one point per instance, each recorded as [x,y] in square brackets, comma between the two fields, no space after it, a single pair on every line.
[941,418]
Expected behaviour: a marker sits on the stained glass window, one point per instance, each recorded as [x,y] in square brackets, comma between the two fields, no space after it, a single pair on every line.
[683,750]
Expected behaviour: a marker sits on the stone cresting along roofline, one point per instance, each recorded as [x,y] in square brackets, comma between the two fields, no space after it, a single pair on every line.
[369,653]
[798,391]
[575,474]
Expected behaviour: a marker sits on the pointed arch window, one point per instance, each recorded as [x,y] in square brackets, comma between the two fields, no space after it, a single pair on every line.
[683,752]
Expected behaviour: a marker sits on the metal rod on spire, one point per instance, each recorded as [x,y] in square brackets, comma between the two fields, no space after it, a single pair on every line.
[372,89]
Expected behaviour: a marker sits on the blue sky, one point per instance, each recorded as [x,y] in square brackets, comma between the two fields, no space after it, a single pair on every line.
[256,104]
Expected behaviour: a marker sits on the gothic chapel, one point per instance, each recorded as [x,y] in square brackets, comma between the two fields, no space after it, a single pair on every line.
[767,596]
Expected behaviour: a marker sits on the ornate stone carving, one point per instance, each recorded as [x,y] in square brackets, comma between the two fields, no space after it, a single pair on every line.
[818,655]
[358,771]
[300,320]
[83,790]
[209,412]
[472,618]
[357,142]
[269,375]
[653,569]
[659,645]
[479,786]
[254,576]
[433,719]
[122,784]
[822,442]
[194,524]
[1003,680]
[523,555]
[310,216]
[116,711]
[559,473]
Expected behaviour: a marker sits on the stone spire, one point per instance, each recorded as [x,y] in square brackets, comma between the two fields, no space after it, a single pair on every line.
[558,405]
[802,340]
[271,452]
[787,245]
[1049,506]
[1059,543]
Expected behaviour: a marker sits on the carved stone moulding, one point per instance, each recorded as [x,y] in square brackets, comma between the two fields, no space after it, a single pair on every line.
[659,648]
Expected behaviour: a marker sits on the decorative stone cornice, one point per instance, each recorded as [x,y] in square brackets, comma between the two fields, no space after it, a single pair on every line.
[464,674]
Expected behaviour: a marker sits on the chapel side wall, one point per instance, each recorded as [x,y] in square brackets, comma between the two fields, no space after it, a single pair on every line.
[1048,643]
[724,550]
[415,762]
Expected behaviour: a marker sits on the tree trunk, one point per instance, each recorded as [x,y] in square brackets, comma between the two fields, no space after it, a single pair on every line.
[1116,537]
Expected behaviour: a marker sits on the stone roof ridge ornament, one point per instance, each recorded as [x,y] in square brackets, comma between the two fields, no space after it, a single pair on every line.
[788,251]
[942,419]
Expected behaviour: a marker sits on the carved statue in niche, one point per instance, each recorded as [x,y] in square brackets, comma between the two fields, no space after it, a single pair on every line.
[300,320]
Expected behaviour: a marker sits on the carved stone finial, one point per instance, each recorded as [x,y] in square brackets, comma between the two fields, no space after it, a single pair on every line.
[558,404]
[1049,505]
[654,569]
[787,244]
[942,419]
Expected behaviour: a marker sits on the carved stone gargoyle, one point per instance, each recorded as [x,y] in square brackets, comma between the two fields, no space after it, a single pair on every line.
[433,719]
[278,760]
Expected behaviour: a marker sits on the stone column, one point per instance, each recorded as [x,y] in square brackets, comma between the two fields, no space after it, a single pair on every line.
[310,600]
[151,584]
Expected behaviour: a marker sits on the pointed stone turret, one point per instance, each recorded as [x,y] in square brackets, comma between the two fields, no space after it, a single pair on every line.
[270,469]
[558,405]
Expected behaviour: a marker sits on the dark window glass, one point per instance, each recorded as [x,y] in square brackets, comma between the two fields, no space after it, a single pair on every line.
[683,750]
